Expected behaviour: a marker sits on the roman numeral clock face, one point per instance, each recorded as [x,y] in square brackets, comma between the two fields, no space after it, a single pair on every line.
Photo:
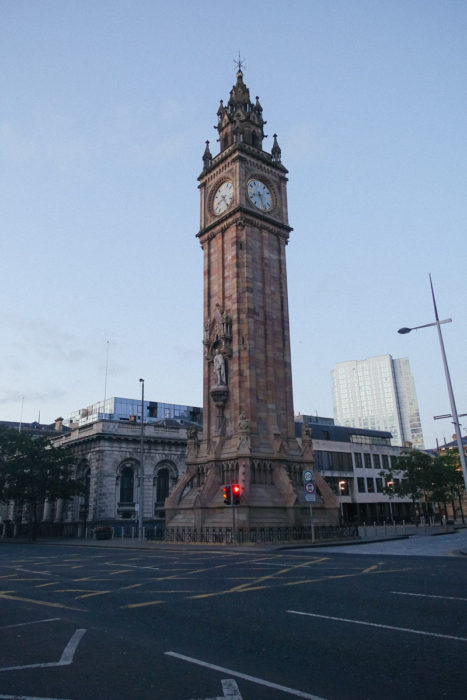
[223,197]
[259,195]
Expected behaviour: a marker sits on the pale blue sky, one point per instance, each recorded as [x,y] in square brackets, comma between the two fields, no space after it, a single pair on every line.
[106,105]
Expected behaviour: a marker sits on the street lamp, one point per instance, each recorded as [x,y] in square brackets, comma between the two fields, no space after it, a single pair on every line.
[341,489]
[455,417]
[141,468]
[390,484]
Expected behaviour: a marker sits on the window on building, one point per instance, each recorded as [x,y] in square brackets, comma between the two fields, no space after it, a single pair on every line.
[162,489]
[377,461]
[379,485]
[358,460]
[361,484]
[370,482]
[368,464]
[385,459]
[126,485]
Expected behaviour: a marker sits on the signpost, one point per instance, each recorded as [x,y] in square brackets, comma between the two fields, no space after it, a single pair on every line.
[310,496]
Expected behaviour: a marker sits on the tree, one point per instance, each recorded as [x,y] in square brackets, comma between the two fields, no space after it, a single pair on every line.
[408,475]
[419,475]
[32,471]
[453,478]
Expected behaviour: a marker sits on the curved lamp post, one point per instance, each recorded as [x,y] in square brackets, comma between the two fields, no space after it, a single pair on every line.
[455,417]
[141,470]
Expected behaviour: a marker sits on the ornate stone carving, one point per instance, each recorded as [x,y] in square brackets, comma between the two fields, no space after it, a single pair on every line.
[244,441]
[219,368]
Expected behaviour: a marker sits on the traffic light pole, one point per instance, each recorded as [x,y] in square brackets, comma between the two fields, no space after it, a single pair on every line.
[234,535]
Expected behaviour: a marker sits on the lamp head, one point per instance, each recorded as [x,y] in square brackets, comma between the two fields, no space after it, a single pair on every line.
[403,331]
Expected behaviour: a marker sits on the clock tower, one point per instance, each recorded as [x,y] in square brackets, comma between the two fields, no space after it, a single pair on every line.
[248,420]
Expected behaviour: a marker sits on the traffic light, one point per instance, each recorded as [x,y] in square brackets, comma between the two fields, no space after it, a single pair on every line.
[236,492]
[227,494]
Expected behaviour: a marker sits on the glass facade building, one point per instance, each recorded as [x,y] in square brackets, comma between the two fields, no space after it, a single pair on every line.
[129,411]
[378,393]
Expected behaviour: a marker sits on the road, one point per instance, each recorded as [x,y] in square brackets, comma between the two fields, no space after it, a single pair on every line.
[180,623]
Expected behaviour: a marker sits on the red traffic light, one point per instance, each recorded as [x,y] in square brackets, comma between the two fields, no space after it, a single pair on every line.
[236,493]
[227,495]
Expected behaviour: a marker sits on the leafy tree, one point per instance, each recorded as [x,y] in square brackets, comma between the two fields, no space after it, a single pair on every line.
[32,471]
[419,475]
[453,479]
[408,475]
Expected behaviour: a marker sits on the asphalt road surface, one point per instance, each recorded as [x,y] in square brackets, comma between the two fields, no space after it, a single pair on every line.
[179,623]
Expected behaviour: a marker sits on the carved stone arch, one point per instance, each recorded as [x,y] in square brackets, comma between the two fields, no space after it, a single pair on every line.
[78,508]
[126,477]
[164,479]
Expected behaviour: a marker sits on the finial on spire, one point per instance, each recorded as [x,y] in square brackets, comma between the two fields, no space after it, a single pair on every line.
[276,151]
[239,63]
[207,157]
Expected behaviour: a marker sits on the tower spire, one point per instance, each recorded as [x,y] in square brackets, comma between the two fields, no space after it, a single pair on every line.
[240,121]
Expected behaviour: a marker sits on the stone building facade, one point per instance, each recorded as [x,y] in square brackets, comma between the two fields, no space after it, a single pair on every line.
[108,457]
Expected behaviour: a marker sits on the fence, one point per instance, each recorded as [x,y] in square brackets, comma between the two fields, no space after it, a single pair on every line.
[260,535]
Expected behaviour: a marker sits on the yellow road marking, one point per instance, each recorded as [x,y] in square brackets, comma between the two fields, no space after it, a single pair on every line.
[90,595]
[370,568]
[134,585]
[89,578]
[6,596]
[44,585]
[284,571]
[143,605]
[120,571]
[327,578]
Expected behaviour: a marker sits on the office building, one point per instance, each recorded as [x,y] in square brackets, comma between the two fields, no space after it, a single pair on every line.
[378,393]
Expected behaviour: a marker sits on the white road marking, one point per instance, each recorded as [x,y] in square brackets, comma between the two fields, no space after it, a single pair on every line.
[230,690]
[252,679]
[426,595]
[375,624]
[25,697]
[33,622]
[65,660]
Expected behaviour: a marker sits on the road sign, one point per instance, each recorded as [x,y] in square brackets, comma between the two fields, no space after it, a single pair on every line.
[310,487]
[310,497]
[307,476]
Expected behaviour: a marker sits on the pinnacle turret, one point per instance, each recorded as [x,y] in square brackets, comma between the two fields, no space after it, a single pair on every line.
[240,121]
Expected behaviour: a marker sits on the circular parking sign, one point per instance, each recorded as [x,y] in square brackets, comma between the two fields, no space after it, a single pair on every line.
[310,487]
[307,475]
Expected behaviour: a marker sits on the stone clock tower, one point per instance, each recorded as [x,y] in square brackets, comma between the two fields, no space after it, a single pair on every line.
[248,420]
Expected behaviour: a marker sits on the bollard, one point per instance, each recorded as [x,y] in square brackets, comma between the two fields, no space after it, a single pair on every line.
[121,532]
[385,528]
[364,529]
[375,530]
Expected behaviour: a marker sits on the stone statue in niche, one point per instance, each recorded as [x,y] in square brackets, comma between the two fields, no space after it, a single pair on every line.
[243,423]
[192,433]
[219,368]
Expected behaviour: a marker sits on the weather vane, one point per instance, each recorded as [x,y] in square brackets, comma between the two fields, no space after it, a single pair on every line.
[239,63]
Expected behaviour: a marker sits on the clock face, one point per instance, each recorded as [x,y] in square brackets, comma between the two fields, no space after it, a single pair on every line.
[259,195]
[223,197]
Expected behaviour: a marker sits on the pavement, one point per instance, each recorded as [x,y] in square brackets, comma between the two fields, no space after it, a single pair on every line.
[434,541]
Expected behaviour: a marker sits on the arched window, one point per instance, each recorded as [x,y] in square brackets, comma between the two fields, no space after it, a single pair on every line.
[126,485]
[162,490]
[87,486]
